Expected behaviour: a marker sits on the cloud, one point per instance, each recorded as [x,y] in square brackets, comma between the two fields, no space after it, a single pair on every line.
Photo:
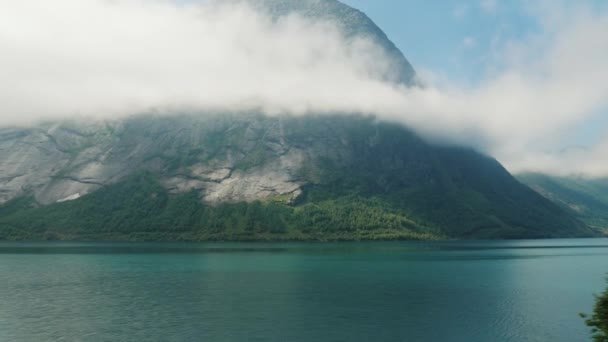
[111,58]
[489,6]
[459,11]
[575,160]
[469,42]
[108,59]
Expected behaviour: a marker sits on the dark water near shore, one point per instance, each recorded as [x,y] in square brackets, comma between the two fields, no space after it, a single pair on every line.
[388,291]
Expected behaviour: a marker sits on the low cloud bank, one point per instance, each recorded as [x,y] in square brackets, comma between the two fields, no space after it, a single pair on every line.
[108,59]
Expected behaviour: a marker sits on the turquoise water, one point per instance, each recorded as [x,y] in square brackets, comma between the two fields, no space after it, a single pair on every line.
[388,291]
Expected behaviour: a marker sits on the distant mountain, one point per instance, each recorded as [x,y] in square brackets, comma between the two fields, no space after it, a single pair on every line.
[585,198]
[246,176]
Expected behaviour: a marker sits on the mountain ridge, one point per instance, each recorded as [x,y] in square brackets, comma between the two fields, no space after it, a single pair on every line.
[585,198]
[232,176]
[351,22]
[306,173]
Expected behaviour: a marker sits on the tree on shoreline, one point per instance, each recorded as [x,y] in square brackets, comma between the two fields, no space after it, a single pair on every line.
[598,321]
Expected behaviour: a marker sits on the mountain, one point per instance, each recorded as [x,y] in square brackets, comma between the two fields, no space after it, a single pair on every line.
[353,24]
[246,176]
[249,176]
[584,198]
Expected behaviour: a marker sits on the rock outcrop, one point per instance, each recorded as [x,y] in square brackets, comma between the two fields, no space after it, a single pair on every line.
[66,161]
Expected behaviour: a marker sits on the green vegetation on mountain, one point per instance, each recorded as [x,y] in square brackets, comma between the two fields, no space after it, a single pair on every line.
[584,198]
[360,180]
[139,208]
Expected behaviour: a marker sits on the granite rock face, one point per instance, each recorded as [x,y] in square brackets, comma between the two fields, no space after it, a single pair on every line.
[54,162]
[222,157]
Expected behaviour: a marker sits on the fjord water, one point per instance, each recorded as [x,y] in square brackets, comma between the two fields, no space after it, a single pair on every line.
[382,291]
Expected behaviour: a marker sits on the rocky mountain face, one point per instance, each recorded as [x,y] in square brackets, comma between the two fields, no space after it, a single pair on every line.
[223,157]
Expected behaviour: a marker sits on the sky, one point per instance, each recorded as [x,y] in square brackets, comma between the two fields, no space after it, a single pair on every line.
[523,81]
[453,37]
[457,41]
[458,37]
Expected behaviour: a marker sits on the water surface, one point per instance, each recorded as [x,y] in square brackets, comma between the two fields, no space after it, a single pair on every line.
[390,291]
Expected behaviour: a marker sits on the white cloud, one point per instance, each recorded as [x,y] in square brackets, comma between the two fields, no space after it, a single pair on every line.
[110,58]
[489,6]
[469,42]
[576,160]
[99,58]
[459,11]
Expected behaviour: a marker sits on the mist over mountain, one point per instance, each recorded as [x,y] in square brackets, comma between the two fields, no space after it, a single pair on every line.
[353,23]
[223,164]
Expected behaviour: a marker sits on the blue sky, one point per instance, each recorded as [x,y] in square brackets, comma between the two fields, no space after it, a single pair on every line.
[451,36]
[454,38]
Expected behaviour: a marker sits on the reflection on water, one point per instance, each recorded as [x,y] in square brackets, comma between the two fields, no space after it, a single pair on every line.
[414,291]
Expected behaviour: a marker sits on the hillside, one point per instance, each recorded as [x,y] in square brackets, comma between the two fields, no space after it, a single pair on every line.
[585,198]
[248,176]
